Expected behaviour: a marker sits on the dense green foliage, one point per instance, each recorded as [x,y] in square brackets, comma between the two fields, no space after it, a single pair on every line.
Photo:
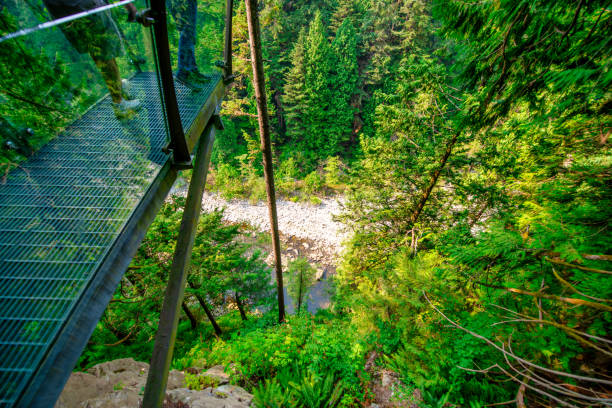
[224,274]
[301,363]
[471,142]
[481,209]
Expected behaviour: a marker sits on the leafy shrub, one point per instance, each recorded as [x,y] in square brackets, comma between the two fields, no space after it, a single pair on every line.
[312,183]
[228,181]
[257,187]
[288,169]
[314,200]
[288,353]
[334,173]
[198,382]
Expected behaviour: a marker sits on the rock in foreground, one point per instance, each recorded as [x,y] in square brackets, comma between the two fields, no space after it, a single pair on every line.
[120,383]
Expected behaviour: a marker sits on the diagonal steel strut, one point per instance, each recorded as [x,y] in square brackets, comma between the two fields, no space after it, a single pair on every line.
[155,389]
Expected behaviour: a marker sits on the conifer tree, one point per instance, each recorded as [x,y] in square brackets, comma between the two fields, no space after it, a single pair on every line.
[344,81]
[345,10]
[301,277]
[319,63]
[295,98]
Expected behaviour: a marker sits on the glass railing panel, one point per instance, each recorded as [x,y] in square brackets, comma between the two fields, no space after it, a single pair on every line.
[195,34]
[196,40]
[82,128]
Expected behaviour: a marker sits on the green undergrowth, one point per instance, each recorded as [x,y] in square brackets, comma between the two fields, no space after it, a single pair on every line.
[103,346]
[305,360]
[245,180]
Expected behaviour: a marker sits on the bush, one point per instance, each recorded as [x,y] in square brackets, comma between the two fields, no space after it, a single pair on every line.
[257,187]
[198,382]
[298,389]
[315,200]
[305,345]
[312,183]
[334,172]
[228,181]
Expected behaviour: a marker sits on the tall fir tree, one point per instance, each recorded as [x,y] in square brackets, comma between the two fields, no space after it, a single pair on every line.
[294,100]
[346,9]
[319,64]
[345,82]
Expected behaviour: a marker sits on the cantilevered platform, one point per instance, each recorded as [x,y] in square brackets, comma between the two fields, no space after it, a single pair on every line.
[71,218]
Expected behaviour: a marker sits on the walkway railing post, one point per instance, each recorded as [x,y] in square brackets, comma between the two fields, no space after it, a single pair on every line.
[266,147]
[163,348]
[178,144]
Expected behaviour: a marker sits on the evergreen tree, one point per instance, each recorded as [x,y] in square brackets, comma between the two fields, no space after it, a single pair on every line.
[301,276]
[345,84]
[295,97]
[319,64]
[346,10]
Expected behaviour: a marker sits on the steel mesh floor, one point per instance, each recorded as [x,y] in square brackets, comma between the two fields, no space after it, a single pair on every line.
[63,209]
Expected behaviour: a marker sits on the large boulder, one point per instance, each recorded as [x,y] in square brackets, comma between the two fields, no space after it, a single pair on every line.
[226,396]
[218,374]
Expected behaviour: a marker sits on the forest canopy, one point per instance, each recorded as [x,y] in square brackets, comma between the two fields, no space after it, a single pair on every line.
[469,145]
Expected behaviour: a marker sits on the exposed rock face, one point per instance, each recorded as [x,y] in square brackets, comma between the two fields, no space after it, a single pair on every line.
[218,374]
[225,396]
[120,383]
[387,389]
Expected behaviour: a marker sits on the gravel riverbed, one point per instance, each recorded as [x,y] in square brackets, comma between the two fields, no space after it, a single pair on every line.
[296,220]
[301,220]
[306,230]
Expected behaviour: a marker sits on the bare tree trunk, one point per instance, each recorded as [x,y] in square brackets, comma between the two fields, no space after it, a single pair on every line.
[266,148]
[240,306]
[299,299]
[434,180]
[207,310]
[192,319]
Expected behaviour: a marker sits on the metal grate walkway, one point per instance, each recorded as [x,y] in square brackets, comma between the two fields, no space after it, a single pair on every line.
[61,212]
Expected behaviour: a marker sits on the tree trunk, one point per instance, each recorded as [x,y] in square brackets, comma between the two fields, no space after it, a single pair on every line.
[240,306]
[207,310]
[266,148]
[299,299]
[434,180]
[192,319]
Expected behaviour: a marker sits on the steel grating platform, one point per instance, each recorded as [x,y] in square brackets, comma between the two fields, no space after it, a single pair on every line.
[62,211]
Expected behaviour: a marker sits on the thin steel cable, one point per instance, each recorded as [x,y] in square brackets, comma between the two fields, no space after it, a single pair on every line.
[53,23]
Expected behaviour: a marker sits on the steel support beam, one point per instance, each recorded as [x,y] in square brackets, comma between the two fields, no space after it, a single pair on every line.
[163,348]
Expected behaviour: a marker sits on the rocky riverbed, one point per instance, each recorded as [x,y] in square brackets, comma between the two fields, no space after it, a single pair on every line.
[295,219]
[306,230]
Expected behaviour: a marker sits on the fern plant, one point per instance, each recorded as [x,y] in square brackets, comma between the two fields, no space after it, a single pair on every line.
[270,394]
[314,392]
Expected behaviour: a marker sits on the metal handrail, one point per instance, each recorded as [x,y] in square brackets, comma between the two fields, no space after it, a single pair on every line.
[63,20]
